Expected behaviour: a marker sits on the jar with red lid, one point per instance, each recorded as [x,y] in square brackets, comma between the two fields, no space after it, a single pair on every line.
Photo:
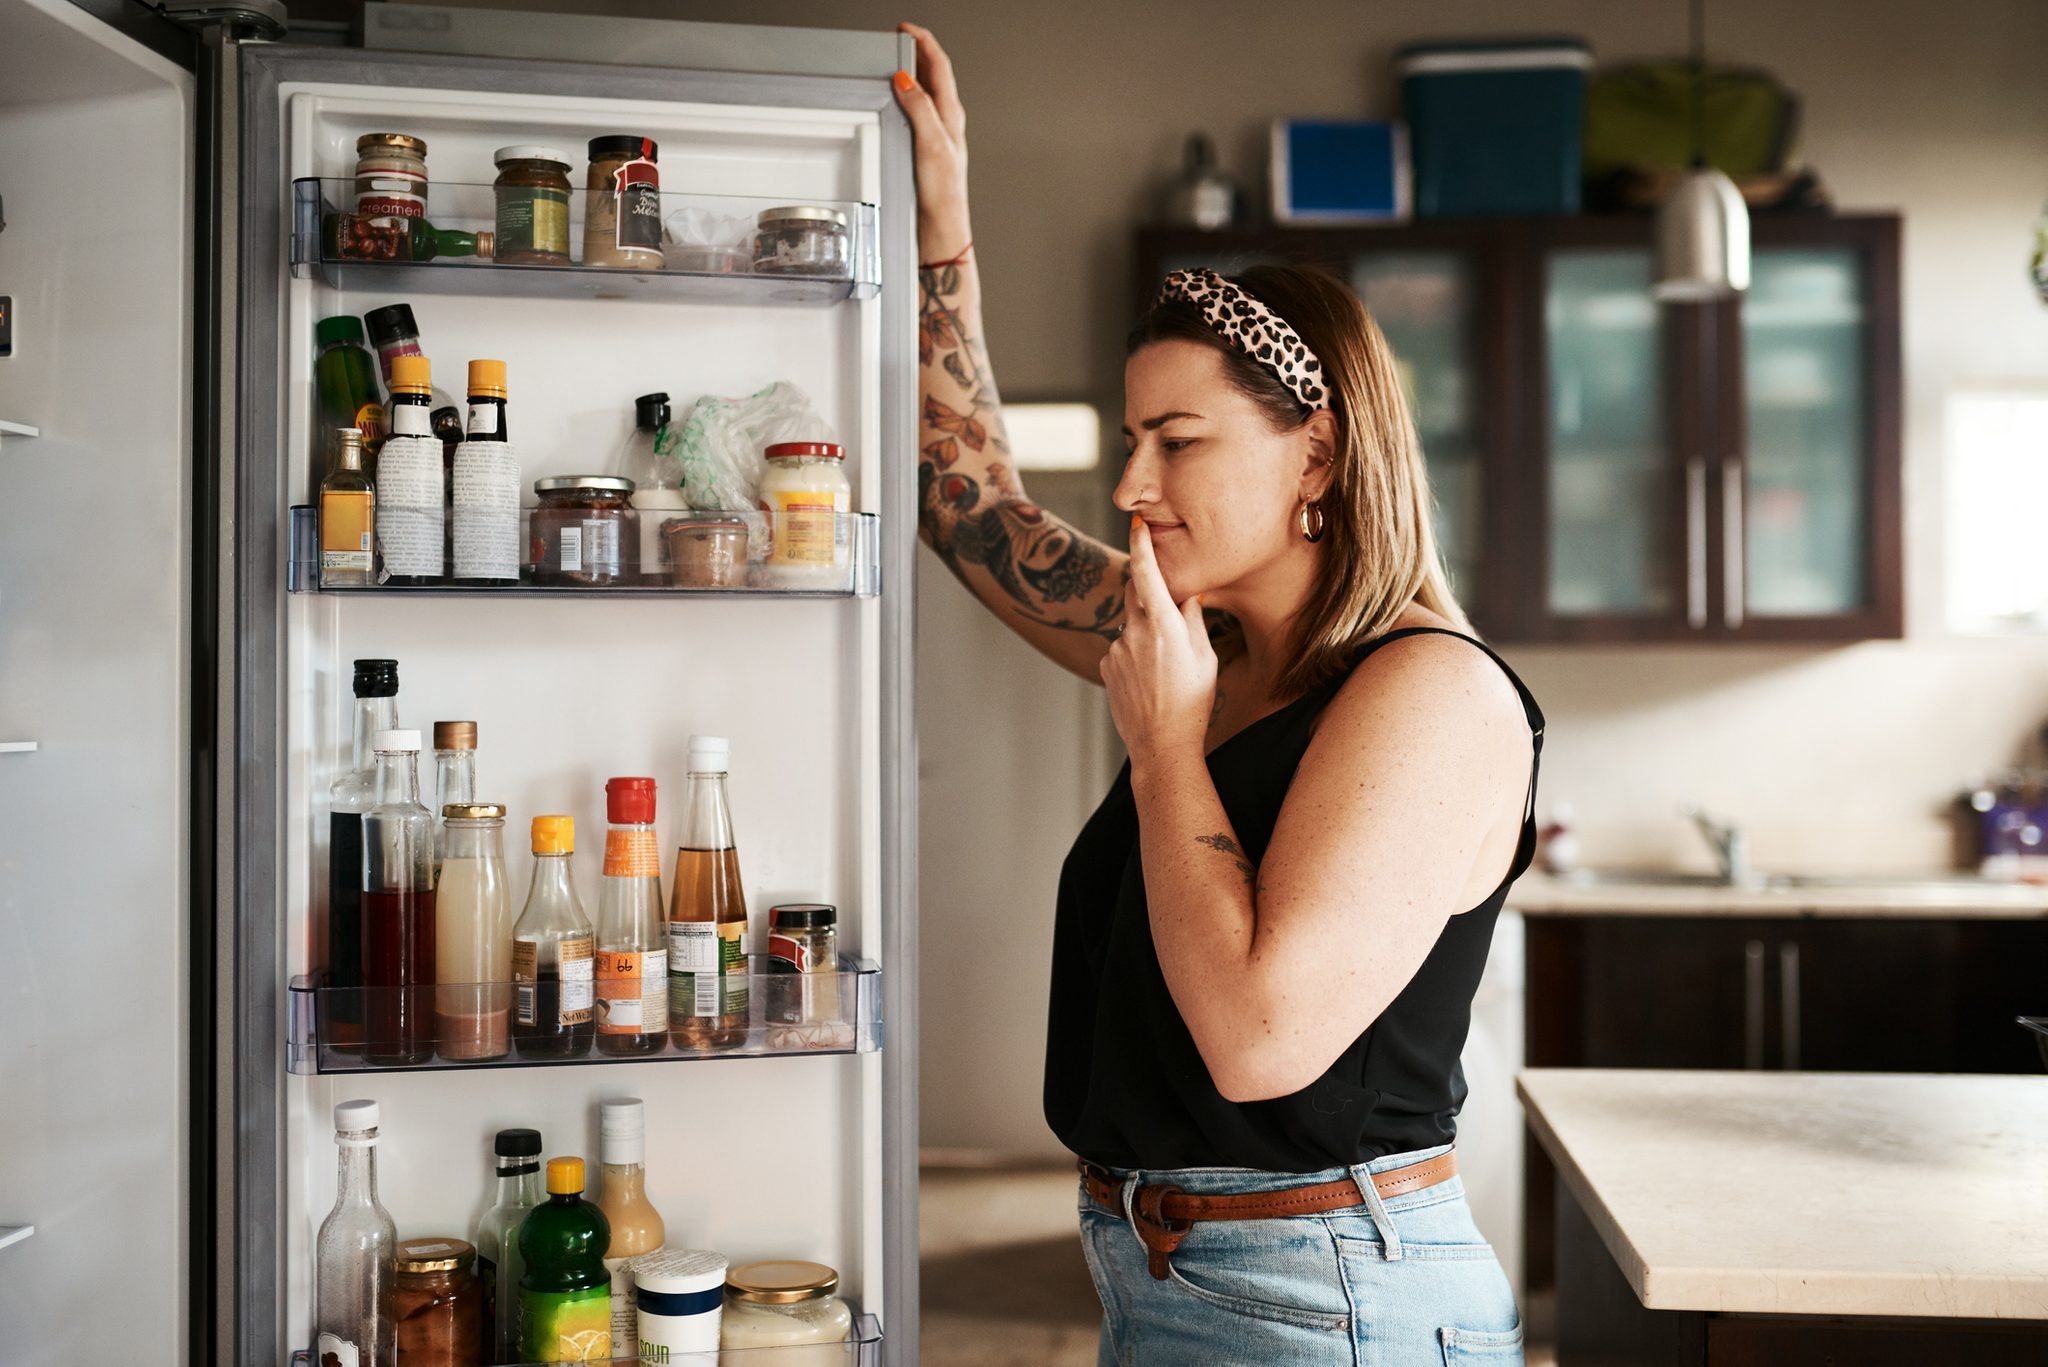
[808,497]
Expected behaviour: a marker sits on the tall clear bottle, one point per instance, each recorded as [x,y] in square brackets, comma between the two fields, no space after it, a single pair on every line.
[398,909]
[553,953]
[632,926]
[637,1228]
[354,793]
[707,926]
[355,1275]
[454,771]
[473,935]
[497,1238]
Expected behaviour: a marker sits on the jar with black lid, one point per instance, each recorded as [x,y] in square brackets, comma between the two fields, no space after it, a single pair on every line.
[584,531]
[533,192]
[622,220]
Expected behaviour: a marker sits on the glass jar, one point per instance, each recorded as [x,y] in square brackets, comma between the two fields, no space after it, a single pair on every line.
[802,983]
[439,1304]
[782,1305]
[803,239]
[533,205]
[622,219]
[584,531]
[706,551]
[391,176]
[806,494]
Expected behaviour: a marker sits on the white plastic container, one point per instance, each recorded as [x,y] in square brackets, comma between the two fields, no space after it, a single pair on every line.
[681,1296]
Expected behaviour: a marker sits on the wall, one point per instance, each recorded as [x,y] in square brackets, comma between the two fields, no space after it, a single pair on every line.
[1837,758]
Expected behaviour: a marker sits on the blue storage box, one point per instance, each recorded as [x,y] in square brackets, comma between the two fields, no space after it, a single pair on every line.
[1339,171]
[1495,127]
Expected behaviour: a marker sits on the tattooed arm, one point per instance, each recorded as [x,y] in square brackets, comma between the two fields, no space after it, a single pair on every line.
[1060,590]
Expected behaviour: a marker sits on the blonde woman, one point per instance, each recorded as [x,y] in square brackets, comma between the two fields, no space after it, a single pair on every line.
[1268,936]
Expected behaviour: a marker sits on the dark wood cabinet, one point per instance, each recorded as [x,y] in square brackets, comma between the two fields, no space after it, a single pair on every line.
[1609,468]
[1819,994]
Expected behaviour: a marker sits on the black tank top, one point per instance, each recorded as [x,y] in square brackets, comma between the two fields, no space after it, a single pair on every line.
[1125,1085]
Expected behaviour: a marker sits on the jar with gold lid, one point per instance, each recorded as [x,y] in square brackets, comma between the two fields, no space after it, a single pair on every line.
[783,1304]
[439,1304]
[391,176]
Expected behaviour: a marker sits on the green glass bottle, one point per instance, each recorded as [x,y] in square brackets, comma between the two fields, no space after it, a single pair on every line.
[367,237]
[565,1294]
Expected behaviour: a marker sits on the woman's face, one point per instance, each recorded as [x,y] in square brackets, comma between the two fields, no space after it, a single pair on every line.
[1218,486]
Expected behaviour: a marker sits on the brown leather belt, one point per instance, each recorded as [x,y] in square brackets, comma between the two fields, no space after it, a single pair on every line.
[1164,1213]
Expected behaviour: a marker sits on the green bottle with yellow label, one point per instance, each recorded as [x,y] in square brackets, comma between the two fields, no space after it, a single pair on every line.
[565,1294]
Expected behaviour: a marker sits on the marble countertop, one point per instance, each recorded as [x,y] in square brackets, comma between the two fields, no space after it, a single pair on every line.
[1913,1194]
[1957,895]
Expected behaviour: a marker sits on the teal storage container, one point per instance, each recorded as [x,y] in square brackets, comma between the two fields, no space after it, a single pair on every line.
[1495,128]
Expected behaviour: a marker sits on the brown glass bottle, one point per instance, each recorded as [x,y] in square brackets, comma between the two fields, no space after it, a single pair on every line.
[707,926]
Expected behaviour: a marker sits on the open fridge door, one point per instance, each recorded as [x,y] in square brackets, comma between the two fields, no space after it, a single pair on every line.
[795,1145]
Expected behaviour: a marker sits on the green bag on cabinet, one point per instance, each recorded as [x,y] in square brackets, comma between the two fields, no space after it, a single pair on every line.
[1640,117]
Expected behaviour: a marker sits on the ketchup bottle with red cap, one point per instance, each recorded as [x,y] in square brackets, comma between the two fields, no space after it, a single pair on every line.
[632,926]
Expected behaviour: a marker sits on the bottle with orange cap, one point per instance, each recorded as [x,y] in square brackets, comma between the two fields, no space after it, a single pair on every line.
[565,1298]
[484,486]
[410,521]
[553,964]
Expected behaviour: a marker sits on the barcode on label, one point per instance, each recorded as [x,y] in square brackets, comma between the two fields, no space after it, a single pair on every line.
[572,549]
[525,1004]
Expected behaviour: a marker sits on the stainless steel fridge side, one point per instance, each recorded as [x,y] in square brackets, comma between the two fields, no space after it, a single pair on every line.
[254,550]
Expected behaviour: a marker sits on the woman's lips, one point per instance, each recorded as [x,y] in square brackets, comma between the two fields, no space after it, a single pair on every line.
[1161,528]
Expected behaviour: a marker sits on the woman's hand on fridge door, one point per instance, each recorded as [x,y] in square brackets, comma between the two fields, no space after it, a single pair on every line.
[931,101]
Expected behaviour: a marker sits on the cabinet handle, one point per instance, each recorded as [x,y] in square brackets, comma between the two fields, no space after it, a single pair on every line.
[1753,1005]
[17,747]
[1731,543]
[1695,543]
[1788,1003]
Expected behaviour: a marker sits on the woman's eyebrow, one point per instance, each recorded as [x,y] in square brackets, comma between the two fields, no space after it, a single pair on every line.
[1154,424]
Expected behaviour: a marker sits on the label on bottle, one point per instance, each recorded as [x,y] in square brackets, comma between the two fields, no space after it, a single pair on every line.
[579,979]
[346,521]
[639,222]
[805,529]
[334,1351]
[565,1326]
[408,508]
[570,554]
[601,545]
[369,420]
[484,493]
[707,967]
[532,218]
[625,1308]
[631,854]
[483,419]
[619,990]
[392,194]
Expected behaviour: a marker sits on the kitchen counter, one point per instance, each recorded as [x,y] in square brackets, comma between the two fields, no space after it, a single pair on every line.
[1802,1196]
[1957,896]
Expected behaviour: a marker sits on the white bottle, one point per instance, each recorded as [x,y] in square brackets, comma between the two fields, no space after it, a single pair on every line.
[411,519]
[650,464]
[484,485]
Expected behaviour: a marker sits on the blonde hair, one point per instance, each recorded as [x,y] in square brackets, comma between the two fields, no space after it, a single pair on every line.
[1379,549]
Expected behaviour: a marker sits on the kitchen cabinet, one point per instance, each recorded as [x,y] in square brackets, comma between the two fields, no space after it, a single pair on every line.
[1818,994]
[1609,469]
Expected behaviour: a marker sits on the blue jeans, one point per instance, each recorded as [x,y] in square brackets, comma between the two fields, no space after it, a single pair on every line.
[1405,1282]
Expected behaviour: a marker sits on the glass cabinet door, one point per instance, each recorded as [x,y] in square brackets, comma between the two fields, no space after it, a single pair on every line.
[1612,548]
[1801,509]
[1424,301]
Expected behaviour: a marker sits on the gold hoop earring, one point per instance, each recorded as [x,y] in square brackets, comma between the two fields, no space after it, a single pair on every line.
[1312,520]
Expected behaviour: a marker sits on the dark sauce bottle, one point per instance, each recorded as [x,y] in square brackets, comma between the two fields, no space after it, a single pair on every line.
[355,792]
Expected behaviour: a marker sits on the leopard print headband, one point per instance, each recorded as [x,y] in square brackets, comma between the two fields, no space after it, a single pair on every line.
[1251,327]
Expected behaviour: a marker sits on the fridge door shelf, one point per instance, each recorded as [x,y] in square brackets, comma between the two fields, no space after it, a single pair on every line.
[787,1014]
[850,568]
[863,1349]
[709,251]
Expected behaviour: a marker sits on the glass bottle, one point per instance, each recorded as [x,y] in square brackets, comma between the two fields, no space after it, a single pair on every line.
[454,771]
[394,333]
[346,379]
[707,962]
[473,935]
[552,953]
[565,1302]
[382,237]
[636,1226]
[354,793]
[649,460]
[497,1238]
[398,909]
[354,1257]
[411,521]
[348,504]
[632,926]
[484,488]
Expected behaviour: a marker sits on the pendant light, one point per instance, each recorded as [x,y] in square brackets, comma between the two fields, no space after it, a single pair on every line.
[1703,228]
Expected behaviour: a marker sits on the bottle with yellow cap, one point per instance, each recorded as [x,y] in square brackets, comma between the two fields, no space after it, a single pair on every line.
[484,487]
[553,961]
[565,1298]
[410,521]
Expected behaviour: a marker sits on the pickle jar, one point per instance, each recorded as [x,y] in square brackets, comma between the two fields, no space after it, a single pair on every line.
[533,205]
[439,1304]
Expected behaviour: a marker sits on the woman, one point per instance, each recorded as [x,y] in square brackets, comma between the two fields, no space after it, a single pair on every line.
[1269,934]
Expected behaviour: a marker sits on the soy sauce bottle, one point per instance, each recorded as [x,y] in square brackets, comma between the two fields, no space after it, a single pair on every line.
[553,961]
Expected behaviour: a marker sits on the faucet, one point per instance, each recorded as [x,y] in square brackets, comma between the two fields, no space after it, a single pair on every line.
[1731,846]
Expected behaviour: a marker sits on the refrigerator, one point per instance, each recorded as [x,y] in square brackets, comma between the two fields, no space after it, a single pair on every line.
[175,685]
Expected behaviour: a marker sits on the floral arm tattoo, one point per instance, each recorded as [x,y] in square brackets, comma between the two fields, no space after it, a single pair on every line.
[1223,844]
[971,506]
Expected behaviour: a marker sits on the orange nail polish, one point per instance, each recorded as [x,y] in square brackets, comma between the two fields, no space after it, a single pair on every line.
[1136,522]
[904,81]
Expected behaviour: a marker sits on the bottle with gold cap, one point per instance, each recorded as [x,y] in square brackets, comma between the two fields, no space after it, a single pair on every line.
[410,522]
[565,1299]
[484,492]
[553,963]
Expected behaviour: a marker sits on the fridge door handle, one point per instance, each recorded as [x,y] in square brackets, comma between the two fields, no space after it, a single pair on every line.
[18,747]
[1696,543]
